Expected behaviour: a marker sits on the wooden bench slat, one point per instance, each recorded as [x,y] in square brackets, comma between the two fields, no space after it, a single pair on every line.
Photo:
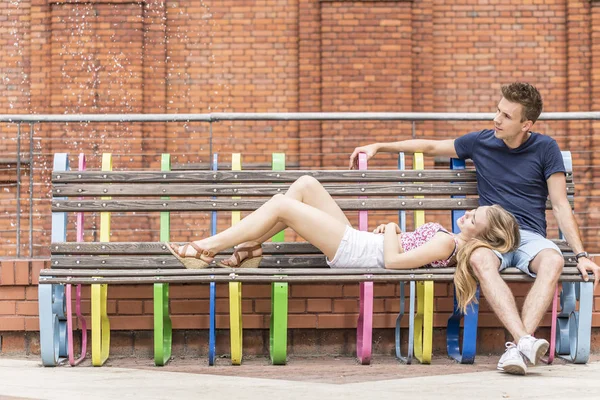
[169,262]
[279,278]
[157,248]
[261,176]
[271,271]
[260,190]
[264,176]
[251,205]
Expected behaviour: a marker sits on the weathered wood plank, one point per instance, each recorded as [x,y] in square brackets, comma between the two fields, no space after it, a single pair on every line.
[274,271]
[251,205]
[157,248]
[261,190]
[261,176]
[277,278]
[264,176]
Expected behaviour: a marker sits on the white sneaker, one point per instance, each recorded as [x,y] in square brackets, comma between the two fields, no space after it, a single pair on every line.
[533,349]
[512,361]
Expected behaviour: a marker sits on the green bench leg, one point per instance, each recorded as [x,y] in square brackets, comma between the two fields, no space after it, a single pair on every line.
[163,330]
[279,320]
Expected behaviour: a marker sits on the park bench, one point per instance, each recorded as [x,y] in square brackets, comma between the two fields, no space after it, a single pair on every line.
[105,263]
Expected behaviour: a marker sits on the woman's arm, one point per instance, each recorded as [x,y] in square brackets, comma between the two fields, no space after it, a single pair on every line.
[440,247]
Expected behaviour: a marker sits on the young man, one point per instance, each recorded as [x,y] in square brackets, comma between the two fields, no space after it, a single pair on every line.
[517,169]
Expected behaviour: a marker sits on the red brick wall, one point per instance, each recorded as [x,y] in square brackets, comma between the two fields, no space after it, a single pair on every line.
[157,56]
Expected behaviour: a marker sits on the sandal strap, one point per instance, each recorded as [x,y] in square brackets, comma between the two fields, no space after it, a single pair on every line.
[249,249]
[199,251]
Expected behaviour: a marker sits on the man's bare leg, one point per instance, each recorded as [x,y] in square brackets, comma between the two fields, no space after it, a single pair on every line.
[547,265]
[485,265]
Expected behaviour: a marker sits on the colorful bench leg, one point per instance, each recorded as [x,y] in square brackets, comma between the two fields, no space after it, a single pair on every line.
[279,297]
[235,321]
[278,328]
[49,303]
[235,289]
[212,319]
[72,361]
[424,317]
[212,339]
[411,324]
[561,342]
[574,327]
[51,298]
[99,292]
[552,351]
[469,343]
[163,328]
[100,325]
[424,322]
[364,328]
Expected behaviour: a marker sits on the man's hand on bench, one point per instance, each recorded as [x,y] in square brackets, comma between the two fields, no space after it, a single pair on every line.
[587,264]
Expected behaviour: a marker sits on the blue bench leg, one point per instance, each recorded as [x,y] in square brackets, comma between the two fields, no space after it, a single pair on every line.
[411,324]
[573,334]
[53,336]
[469,345]
[212,329]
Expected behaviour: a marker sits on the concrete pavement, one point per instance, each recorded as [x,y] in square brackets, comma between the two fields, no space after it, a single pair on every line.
[27,379]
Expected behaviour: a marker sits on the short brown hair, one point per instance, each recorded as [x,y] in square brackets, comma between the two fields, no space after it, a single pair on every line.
[527,96]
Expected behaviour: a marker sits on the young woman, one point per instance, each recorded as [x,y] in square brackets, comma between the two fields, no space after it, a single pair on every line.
[309,210]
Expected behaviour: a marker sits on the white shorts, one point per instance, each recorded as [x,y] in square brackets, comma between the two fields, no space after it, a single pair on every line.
[359,249]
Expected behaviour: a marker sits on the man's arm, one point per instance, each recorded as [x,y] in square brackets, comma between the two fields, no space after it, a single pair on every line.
[557,189]
[427,147]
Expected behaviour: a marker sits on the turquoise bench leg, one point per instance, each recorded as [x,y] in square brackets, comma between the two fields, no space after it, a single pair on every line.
[411,324]
[51,298]
[573,335]
[49,327]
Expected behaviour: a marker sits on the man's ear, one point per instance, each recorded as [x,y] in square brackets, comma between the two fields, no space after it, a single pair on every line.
[527,125]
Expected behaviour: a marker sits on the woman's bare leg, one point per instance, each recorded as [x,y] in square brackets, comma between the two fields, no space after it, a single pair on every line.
[315,225]
[305,189]
[309,191]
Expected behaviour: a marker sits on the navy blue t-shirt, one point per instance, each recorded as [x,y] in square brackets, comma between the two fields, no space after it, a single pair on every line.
[514,178]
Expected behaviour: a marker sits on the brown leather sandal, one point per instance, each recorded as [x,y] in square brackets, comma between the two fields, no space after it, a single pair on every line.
[196,261]
[250,261]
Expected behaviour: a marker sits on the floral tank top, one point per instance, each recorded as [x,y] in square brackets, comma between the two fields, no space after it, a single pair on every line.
[424,233]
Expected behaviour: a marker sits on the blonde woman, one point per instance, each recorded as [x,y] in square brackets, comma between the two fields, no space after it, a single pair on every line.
[309,210]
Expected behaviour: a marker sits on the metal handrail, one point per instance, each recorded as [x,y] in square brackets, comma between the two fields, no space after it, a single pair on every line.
[298,116]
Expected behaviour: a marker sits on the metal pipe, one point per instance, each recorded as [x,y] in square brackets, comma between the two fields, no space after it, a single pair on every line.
[30,190]
[300,116]
[18,190]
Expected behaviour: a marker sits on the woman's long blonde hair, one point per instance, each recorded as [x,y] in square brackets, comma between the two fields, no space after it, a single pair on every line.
[501,234]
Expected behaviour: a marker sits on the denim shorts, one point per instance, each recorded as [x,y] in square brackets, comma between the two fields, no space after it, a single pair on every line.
[531,244]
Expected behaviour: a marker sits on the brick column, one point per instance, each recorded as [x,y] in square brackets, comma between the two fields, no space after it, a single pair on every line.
[593,206]
[154,78]
[309,81]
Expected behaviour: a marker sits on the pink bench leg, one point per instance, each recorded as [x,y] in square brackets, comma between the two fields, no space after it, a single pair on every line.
[552,350]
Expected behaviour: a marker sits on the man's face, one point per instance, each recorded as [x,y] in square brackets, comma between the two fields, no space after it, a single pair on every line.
[507,122]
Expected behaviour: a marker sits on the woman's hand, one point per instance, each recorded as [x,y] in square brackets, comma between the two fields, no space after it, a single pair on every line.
[380,229]
[392,226]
